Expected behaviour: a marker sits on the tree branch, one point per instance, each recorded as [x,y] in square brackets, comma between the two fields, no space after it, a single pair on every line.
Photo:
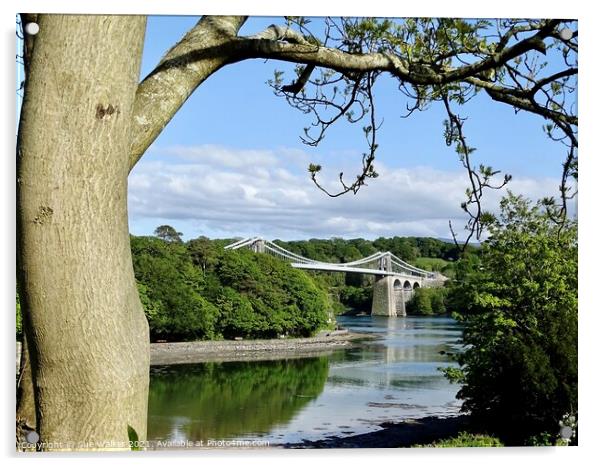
[524,100]
[213,43]
[207,47]
[296,87]
[338,60]
[368,170]
[478,180]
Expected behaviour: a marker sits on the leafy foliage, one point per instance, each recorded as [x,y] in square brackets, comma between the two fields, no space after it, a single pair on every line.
[262,296]
[199,291]
[418,251]
[519,370]
[356,297]
[528,64]
[168,233]
[169,286]
[427,301]
[465,439]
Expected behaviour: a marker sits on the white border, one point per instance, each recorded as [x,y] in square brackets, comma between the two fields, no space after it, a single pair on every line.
[465,8]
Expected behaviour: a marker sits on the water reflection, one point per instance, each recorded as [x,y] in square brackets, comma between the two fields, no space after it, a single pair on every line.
[409,354]
[224,400]
[350,391]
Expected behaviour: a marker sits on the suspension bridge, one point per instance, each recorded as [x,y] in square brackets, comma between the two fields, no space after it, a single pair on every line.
[394,282]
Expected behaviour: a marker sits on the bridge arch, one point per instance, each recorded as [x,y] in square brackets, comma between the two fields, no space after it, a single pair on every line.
[416,285]
[407,286]
[398,297]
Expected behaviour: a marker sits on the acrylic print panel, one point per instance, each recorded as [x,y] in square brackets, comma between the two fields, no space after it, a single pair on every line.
[229,239]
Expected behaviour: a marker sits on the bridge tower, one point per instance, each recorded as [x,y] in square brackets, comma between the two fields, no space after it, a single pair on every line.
[386,301]
[258,246]
[390,292]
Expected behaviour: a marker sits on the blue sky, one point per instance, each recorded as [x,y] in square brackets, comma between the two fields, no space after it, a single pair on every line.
[235,134]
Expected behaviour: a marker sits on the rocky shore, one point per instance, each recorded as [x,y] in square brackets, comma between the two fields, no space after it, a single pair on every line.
[250,350]
[245,350]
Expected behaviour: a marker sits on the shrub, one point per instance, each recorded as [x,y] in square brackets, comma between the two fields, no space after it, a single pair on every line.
[519,370]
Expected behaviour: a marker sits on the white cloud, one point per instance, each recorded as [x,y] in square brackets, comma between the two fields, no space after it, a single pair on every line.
[212,154]
[219,192]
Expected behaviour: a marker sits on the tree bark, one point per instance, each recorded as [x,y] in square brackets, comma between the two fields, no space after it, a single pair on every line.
[87,333]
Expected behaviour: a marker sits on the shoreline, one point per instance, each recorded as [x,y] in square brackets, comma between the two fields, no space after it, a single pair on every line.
[190,352]
[251,350]
[412,432]
[401,434]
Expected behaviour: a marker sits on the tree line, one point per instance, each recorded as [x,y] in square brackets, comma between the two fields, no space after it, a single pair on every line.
[198,290]
[344,250]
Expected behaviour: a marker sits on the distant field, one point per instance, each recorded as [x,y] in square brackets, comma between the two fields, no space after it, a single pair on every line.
[430,263]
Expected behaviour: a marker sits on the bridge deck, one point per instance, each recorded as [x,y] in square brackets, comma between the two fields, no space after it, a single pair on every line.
[383,263]
[338,268]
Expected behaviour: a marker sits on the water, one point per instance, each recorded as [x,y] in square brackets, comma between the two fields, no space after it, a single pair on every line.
[346,392]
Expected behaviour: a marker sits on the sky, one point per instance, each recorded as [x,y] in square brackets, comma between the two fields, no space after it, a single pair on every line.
[231,162]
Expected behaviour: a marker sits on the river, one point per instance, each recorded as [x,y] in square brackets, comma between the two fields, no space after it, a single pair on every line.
[348,391]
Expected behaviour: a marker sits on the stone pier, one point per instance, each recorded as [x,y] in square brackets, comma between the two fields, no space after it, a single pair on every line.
[391,293]
[387,300]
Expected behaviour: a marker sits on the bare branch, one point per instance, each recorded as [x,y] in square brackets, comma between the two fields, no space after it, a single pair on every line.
[295,87]
[367,158]
[479,180]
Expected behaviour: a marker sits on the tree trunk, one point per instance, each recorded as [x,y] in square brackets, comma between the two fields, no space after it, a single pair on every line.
[88,337]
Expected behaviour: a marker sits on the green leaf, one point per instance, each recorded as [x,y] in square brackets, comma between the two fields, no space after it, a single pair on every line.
[133,437]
